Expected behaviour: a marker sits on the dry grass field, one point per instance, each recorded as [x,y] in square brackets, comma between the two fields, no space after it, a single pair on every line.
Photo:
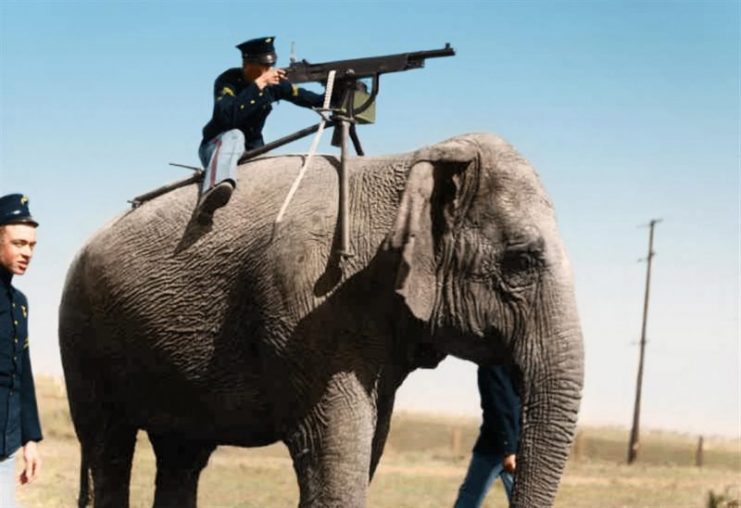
[424,462]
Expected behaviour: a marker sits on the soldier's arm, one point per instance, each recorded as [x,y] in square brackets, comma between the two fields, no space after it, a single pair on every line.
[30,425]
[286,90]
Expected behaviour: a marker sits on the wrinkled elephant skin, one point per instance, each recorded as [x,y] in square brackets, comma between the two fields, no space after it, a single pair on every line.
[244,334]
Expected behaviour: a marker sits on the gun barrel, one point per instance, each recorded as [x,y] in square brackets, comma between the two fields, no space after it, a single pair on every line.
[304,72]
[434,53]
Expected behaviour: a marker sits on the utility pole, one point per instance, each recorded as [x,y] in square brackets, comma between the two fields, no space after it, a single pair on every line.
[635,430]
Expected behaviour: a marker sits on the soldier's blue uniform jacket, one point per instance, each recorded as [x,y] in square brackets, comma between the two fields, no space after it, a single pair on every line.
[500,430]
[240,104]
[19,416]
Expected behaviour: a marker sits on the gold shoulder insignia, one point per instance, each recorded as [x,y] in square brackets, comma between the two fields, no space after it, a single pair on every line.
[225,91]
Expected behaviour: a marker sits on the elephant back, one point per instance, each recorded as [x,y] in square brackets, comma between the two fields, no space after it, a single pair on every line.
[159,248]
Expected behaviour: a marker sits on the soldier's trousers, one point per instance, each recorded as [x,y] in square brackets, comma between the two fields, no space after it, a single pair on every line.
[220,157]
[482,471]
[7,481]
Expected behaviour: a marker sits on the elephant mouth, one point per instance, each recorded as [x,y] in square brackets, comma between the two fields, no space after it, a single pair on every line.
[427,356]
[492,347]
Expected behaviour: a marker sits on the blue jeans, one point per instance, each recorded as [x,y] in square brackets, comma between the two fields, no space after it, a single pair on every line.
[7,482]
[220,157]
[482,471]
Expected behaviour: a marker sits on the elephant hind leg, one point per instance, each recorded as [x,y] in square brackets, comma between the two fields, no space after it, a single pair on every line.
[107,456]
[179,465]
[107,441]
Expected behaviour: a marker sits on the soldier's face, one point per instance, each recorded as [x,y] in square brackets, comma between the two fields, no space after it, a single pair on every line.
[252,70]
[17,242]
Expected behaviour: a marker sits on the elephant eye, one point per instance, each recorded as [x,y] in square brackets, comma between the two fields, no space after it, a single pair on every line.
[520,266]
[518,261]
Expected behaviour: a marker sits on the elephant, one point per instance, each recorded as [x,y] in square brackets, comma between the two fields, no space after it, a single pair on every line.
[241,333]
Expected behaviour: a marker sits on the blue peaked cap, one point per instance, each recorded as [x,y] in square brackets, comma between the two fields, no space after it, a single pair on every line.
[260,50]
[14,210]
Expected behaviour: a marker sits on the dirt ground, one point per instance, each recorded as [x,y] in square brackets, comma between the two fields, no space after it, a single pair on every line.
[425,461]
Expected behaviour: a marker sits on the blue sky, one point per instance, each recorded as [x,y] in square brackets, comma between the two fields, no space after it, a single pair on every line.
[629,111]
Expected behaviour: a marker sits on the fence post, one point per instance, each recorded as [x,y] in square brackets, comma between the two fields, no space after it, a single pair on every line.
[699,453]
[455,441]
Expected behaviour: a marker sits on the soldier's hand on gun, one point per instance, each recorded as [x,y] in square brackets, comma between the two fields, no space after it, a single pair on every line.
[271,76]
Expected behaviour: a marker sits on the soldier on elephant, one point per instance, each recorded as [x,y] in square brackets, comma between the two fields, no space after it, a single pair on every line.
[19,417]
[242,102]
[494,454]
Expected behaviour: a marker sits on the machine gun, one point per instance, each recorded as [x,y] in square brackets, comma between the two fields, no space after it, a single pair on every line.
[351,93]
[359,68]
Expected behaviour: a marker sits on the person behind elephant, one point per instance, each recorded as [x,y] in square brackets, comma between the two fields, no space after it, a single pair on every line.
[494,453]
[242,103]
[19,417]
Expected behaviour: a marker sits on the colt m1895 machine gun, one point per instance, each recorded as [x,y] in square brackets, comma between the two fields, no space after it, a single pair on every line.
[350,94]
[304,72]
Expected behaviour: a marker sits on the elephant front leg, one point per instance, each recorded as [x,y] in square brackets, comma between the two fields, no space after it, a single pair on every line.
[331,448]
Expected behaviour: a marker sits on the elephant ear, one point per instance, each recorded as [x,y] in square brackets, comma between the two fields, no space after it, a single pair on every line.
[429,210]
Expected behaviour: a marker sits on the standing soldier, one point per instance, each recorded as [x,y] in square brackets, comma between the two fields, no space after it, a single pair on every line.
[494,454]
[242,102]
[19,417]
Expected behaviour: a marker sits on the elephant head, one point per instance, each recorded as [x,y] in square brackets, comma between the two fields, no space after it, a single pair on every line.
[483,268]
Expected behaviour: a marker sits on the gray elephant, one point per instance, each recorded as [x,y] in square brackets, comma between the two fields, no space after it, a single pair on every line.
[239,334]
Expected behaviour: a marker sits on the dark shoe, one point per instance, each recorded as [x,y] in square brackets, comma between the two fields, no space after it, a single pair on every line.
[215,198]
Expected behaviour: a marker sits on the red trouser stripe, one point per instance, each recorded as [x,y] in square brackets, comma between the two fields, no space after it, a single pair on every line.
[214,163]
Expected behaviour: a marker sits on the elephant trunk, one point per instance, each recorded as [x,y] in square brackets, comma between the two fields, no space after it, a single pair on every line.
[552,378]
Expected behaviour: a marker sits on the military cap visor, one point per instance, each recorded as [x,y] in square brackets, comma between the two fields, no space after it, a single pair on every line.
[260,50]
[14,210]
